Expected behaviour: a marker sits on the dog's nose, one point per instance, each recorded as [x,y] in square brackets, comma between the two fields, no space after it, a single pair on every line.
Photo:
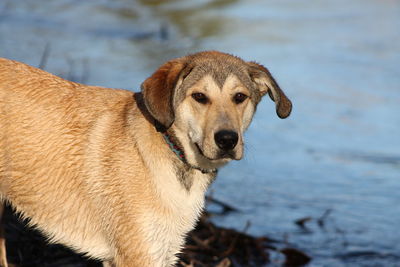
[226,140]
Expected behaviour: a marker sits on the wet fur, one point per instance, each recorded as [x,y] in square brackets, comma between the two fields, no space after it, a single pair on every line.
[89,169]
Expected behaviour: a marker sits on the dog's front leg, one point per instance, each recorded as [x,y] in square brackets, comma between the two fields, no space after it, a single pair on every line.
[3,254]
[133,259]
[108,264]
[133,251]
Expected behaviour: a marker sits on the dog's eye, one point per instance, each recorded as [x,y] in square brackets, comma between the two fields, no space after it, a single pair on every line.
[200,97]
[239,98]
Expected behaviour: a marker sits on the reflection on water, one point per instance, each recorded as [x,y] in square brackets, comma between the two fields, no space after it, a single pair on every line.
[337,60]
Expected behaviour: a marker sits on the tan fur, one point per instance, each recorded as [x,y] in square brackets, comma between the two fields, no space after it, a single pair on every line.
[87,166]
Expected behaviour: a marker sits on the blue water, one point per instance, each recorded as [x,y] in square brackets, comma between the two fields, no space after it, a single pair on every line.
[338,61]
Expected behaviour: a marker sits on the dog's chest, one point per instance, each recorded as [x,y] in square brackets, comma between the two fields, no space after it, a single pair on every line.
[181,208]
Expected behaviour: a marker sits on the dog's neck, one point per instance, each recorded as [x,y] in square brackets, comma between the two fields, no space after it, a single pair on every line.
[170,140]
[168,136]
[173,146]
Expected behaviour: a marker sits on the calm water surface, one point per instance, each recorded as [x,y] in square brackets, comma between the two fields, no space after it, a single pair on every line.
[339,152]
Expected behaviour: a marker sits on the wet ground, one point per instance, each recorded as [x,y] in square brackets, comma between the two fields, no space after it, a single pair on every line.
[335,163]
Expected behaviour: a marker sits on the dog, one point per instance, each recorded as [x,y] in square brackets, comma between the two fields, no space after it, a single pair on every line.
[117,175]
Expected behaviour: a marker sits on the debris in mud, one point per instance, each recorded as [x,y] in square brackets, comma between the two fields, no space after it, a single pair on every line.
[302,222]
[295,257]
[226,208]
[207,245]
[211,245]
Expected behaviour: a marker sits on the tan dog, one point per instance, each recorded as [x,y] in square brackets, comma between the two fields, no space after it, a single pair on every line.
[118,175]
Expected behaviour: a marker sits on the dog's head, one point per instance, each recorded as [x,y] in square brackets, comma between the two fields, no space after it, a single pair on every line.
[208,100]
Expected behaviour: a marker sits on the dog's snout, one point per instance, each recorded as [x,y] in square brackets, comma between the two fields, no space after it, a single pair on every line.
[226,139]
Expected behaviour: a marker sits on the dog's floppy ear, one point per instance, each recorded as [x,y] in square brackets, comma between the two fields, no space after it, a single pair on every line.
[158,91]
[267,84]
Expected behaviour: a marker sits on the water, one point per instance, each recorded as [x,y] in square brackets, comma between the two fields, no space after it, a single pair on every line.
[338,61]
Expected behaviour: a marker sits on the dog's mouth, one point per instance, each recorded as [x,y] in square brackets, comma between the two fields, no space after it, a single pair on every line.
[201,152]
[221,155]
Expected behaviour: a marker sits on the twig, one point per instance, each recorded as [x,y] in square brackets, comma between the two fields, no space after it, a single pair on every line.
[321,220]
[225,207]
[45,56]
